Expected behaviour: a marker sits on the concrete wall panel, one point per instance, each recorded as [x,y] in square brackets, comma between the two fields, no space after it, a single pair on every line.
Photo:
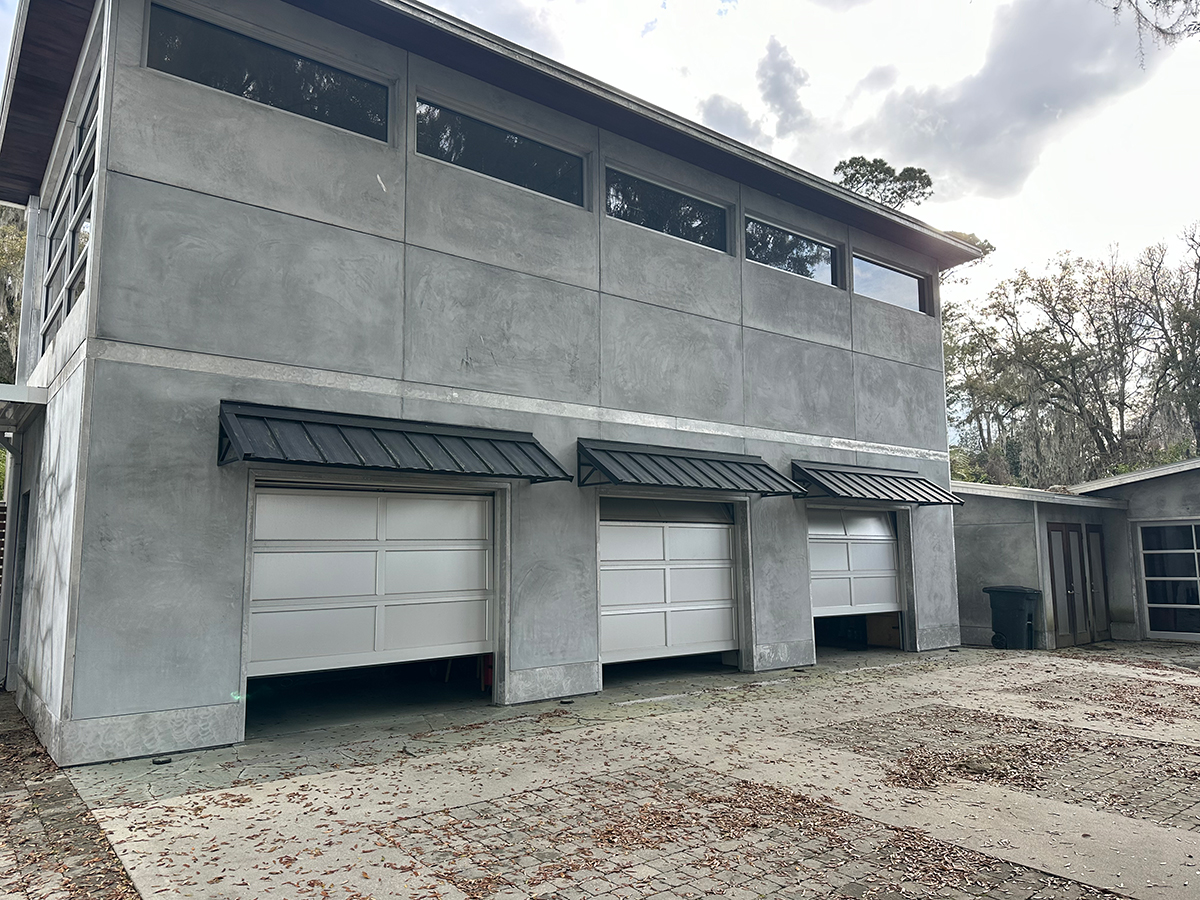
[798,386]
[164,543]
[788,304]
[476,326]
[934,578]
[899,404]
[51,476]
[667,271]
[891,332]
[524,231]
[661,361]
[199,273]
[782,604]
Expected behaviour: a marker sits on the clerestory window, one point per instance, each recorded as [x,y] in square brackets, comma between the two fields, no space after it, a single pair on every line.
[219,58]
[662,209]
[70,231]
[791,252]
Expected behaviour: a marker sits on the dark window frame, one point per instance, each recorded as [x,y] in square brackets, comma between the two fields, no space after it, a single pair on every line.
[71,214]
[275,41]
[837,252]
[924,289]
[1165,583]
[468,110]
[730,243]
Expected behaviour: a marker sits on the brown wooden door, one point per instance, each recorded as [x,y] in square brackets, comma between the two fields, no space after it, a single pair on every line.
[1069,585]
[1098,568]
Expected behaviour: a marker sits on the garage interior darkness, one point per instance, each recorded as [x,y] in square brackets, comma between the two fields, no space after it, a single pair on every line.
[309,701]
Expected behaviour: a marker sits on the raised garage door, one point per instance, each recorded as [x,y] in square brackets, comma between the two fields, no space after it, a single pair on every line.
[666,589]
[353,578]
[852,560]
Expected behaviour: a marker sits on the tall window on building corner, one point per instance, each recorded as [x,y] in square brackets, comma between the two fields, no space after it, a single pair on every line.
[70,232]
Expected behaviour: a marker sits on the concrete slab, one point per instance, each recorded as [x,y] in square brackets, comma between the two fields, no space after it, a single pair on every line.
[872,774]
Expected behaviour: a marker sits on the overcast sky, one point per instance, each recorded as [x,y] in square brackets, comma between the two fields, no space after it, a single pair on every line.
[1043,126]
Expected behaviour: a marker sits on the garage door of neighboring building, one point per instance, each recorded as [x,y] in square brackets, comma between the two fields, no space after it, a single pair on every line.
[667,579]
[341,578]
[1171,575]
[853,562]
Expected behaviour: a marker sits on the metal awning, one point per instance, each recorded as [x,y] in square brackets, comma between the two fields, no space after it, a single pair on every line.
[274,434]
[860,483]
[644,465]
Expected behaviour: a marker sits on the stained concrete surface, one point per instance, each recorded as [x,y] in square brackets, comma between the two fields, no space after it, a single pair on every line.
[874,774]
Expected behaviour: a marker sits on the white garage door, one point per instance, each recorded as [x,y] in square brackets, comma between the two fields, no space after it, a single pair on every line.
[355,578]
[853,562]
[666,589]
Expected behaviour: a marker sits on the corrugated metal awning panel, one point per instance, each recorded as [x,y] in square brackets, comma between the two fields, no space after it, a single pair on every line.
[276,434]
[858,483]
[643,465]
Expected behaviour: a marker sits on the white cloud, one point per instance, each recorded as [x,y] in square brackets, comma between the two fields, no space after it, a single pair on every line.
[780,80]
[731,118]
[1049,62]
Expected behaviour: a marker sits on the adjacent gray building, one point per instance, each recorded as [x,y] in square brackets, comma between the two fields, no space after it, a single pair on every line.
[354,335]
[1114,558]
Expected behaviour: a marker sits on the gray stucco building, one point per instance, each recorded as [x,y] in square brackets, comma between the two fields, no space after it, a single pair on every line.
[353,335]
[1114,558]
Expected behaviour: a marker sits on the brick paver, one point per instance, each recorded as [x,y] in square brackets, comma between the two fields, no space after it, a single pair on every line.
[679,830]
[931,745]
[51,848]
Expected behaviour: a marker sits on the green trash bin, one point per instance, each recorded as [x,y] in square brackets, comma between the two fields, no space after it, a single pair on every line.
[1014,611]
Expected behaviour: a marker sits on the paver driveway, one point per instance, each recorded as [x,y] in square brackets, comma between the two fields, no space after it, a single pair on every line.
[974,773]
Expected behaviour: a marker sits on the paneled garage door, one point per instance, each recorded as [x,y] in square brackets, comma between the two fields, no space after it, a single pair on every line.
[666,589]
[356,578]
[853,562]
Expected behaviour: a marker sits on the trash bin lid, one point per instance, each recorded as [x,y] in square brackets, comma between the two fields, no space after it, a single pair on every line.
[1010,589]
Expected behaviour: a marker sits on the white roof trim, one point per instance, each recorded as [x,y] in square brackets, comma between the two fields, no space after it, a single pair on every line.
[1112,481]
[20,393]
[1033,495]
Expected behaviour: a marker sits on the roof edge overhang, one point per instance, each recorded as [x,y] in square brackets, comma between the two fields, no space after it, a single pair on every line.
[48,37]
[1033,495]
[1115,481]
[456,44]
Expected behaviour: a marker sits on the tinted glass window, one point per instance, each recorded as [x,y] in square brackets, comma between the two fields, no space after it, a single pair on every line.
[1170,565]
[786,250]
[455,138]
[665,210]
[881,283]
[1167,537]
[234,63]
[1172,593]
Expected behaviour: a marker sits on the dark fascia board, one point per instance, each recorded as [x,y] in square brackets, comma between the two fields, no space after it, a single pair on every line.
[458,45]
[48,36]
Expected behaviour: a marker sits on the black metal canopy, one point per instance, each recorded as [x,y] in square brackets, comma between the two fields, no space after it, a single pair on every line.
[275,434]
[645,465]
[860,483]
